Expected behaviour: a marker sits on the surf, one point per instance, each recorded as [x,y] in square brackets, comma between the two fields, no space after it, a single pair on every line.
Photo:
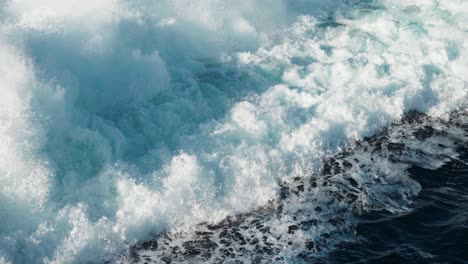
[124,119]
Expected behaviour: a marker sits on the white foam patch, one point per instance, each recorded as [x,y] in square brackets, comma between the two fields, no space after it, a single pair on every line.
[55,15]
[22,174]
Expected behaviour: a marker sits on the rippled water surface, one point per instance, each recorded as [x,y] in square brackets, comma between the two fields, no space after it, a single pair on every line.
[434,231]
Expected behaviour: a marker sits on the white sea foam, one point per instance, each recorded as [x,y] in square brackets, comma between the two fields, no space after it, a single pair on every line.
[119,118]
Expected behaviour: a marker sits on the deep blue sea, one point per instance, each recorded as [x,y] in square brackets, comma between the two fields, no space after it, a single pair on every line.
[222,131]
[434,231]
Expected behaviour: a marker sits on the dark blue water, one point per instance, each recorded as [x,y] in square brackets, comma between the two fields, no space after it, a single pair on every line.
[435,231]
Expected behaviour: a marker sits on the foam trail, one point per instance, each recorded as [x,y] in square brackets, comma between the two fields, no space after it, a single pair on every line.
[122,118]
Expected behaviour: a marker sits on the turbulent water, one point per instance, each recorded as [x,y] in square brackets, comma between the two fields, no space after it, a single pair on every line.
[223,131]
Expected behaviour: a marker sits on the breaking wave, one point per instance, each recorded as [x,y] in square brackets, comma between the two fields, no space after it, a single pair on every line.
[120,119]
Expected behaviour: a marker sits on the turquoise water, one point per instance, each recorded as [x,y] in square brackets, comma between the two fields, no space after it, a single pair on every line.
[121,118]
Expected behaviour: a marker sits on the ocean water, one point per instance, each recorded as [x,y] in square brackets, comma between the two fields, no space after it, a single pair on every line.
[434,231]
[124,123]
[397,196]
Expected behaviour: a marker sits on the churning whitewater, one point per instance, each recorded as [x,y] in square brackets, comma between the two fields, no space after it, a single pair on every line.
[123,121]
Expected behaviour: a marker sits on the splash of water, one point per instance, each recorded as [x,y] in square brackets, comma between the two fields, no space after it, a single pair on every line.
[120,118]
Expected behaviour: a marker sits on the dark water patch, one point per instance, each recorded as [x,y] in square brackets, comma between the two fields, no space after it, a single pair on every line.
[435,231]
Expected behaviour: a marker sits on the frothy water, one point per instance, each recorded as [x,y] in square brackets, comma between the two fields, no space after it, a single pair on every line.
[319,218]
[123,118]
